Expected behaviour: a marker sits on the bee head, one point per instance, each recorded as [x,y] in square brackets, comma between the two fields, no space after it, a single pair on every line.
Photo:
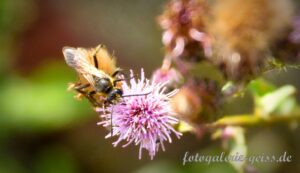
[114,94]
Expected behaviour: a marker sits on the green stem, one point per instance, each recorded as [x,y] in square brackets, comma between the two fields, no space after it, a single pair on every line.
[254,120]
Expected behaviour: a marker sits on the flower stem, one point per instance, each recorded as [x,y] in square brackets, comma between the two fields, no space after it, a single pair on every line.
[254,120]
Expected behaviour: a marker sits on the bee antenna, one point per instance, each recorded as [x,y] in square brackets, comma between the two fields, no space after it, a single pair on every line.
[130,95]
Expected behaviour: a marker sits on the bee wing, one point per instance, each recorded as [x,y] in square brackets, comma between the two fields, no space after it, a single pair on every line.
[76,59]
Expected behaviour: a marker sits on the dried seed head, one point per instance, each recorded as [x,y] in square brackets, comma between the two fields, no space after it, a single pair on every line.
[243,32]
[295,34]
[287,50]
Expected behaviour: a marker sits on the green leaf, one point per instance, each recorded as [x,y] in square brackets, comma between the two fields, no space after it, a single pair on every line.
[185,127]
[237,146]
[260,87]
[273,100]
[287,106]
[269,99]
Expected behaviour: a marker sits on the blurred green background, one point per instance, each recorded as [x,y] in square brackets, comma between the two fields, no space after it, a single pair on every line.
[44,130]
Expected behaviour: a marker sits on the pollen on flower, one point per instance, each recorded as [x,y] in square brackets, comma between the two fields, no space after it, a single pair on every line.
[145,120]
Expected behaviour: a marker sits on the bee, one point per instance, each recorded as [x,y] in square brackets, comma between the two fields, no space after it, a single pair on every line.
[98,74]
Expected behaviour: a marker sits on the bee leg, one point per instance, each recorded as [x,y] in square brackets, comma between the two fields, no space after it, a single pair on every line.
[89,95]
[81,86]
[107,102]
[119,80]
[103,109]
[119,71]
[111,121]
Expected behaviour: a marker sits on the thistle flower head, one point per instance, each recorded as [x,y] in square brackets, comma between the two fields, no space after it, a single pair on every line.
[145,120]
[187,104]
[197,100]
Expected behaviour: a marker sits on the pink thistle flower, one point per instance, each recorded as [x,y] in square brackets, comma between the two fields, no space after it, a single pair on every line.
[171,76]
[167,74]
[184,23]
[143,120]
